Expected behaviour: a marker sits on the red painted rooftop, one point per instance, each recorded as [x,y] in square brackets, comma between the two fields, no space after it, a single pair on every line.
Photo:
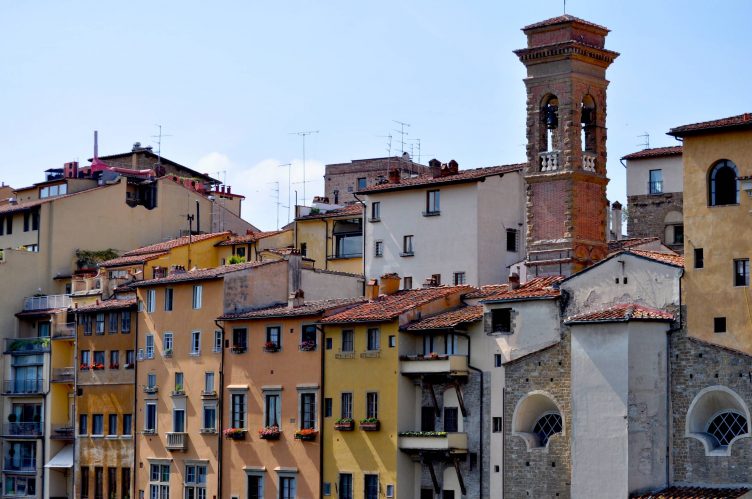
[621,313]
[473,175]
[655,152]
[448,319]
[251,237]
[740,121]
[306,309]
[174,243]
[536,288]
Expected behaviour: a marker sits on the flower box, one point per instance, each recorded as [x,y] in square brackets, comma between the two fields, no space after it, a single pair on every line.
[130,365]
[370,424]
[235,433]
[307,435]
[269,433]
[344,424]
[85,367]
[307,346]
[98,367]
[114,366]
[239,349]
[271,347]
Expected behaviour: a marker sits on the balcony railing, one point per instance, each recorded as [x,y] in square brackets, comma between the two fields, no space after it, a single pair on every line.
[655,187]
[588,161]
[62,432]
[63,375]
[549,161]
[176,441]
[23,386]
[22,429]
[449,365]
[20,464]
[46,302]
[433,441]
[64,331]
[27,345]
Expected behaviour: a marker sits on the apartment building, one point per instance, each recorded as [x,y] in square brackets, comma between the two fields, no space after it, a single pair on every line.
[331,236]
[254,246]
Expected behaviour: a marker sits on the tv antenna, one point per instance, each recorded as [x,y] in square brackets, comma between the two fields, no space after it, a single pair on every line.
[159,143]
[289,189]
[565,7]
[402,132]
[304,134]
[416,142]
[646,142]
[276,196]
[388,152]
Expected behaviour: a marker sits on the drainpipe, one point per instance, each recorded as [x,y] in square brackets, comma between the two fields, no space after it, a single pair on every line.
[135,403]
[482,387]
[220,406]
[326,243]
[321,411]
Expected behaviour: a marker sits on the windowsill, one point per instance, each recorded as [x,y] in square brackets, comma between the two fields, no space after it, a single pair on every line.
[96,436]
[194,354]
[378,256]
[431,213]
[732,205]
[407,253]
[345,257]
[126,437]
[372,220]
[208,431]
[111,437]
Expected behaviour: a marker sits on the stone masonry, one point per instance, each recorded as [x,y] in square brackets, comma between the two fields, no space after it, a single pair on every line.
[646,214]
[343,177]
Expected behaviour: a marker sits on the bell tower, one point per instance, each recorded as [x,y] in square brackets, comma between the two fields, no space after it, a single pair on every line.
[566,178]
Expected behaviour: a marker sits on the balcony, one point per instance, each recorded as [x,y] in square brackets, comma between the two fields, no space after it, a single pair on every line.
[549,161]
[588,161]
[655,187]
[20,464]
[414,442]
[22,429]
[23,387]
[63,375]
[64,331]
[151,389]
[176,441]
[27,345]
[46,302]
[63,432]
[446,365]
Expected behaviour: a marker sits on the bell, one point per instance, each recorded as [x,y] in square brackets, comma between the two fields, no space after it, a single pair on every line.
[552,121]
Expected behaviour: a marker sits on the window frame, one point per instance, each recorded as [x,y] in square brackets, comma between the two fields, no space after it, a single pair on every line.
[433,202]
[741,272]
[198,293]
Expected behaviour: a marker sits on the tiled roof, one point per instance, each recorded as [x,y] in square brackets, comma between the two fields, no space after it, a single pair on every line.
[488,290]
[249,238]
[350,209]
[287,250]
[623,244]
[566,18]
[536,288]
[40,312]
[740,121]
[387,307]
[173,243]
[134,259]
[428,180]
[668,258]
[201,274]
[694,493]
[448,319]
[108,305]
[621,313]
[308,308]
[655,152]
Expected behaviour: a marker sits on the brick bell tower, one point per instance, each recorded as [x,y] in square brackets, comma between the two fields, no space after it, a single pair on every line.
[566,144]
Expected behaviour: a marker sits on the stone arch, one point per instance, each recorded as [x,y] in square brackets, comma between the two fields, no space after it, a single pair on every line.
[588,121]
[529,411]
[673,224]
[549,123]
[708,404]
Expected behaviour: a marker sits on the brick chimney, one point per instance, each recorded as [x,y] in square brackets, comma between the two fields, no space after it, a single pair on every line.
[390,284]
[435,167]
[451,168]
[372,289]
[394,176]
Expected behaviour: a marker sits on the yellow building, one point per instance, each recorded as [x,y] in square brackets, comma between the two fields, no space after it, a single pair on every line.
[332,238]
[366,400]
[717,158]
[250,247]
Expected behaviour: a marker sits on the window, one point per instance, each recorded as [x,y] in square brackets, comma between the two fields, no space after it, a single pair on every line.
[98,482]
[195,481]
[112,483]
[347,406]
[112,425]
[678,234]
[196,343]
[433,203]
[345,486]
[741,272]
[273,336]
[390,490]
[378,248]
[83,424]
[125,322]
[497,360]
[97,425]
[9,225]
[303,249]
[151,299]
[217,341]
[376,211]
[372,405]
[167,344]
[150,419]
[168,293]
[114,320]
[723,188]
[255,487]
[26,486]
[347,340]
[699,259]
[197,294]
[272,409]
[287,483]
[99,359]
[43,328]
[85,359]
[436,279]
[209,382]
[307,411]
[308,338]
[407,283]
[127,424]
[501,320]
[149,346]
[328,407]
[348,238]
[151,380]
[209,421]
[114,359]
[159,481]
[237,410]
[239,340]
[362,183]
[496,423]
[125,492]
[392,341]
[179,386]
[407,246]
[86,321]
[84,482]
[373,337]
[371,486]
[726,426]
[459,278]
[427,418]
[100,323]
[512,241]
[655,184]
[717,416]
[451,419]
[547,425]
[329,343]
[130,360]
[719,325]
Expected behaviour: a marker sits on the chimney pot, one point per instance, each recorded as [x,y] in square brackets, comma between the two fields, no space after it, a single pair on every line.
[390,284]
[514,281]
[394,176]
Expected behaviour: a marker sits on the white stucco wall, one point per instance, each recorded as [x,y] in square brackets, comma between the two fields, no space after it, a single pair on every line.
[638,174]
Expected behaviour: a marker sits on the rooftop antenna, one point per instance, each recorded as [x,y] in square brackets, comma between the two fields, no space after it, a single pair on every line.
[159,143]
[646,143]
[276,195]
[417,142]
[303,134]
[388,152]
[289,188]
[565,7]
[402,132]
[96,145]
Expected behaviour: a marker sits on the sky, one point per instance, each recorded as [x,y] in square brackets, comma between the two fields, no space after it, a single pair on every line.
[231,83]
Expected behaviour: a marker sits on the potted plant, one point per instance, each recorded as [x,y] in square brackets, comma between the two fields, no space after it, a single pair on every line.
[12,417]
[344,424]
[168,352]
[129,365]
[369,424]
[235,433]
[178,390]
[85,367]
[306,434]
[98,367]
[271,346]
[269,433]
[308,346]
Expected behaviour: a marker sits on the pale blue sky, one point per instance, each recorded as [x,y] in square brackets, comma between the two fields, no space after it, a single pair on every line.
[230,80]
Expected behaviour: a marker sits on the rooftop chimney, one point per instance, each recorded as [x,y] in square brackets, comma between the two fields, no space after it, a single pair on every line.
[435,166]
[514,281]
[295,299]
[451,168]
[372,289]
[394,176]
[616,222]
[390,284]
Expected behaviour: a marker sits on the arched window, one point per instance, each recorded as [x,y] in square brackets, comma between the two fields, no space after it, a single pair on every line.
[537,419]
[549,113]
[723,184]
[547,425]
[726,426]
[717,417]
[587,119]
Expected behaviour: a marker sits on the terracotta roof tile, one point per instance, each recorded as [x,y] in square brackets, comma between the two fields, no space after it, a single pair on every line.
[623,244]
[488,290]
[473,175]
[131,260]
[388,307]
[621,313]
[201,274]
[668,258]
[249,238]
[655,152]
[740,121]
[448,319]
[308,308]
[114,304]
[173,243]
[537,288]
[566,18]
[349,210]
[40,312]
[695,493]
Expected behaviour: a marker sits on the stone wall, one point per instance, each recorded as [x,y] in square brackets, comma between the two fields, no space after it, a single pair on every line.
[343,177]
[646,214]
[541,472]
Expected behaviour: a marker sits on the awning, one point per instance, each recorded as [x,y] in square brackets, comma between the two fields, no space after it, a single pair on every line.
[63,459]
